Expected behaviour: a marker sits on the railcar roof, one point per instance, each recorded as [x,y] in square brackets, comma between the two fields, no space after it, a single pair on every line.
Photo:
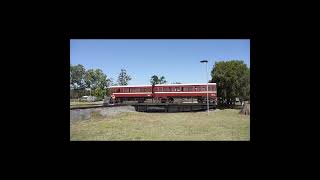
[165,85]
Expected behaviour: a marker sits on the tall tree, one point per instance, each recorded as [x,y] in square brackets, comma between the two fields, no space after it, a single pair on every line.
[96,81]
[77,73]
[233,80]
[162,80]
[123,78]
[156,80]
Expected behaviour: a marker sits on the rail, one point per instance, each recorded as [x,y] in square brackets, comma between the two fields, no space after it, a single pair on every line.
[97,106]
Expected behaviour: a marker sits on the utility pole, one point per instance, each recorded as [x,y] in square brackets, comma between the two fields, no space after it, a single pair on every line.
[205,61]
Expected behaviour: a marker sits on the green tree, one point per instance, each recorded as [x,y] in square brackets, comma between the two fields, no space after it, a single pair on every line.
[100,93]
[77,74]
[123,78]
[156,80]
[97,82]
[233,80]
[162,80]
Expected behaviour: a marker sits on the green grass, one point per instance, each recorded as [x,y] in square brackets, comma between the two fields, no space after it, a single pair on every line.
[221,125]
[84,104]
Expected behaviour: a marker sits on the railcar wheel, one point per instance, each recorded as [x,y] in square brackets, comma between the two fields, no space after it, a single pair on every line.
[171,100]
[163,100]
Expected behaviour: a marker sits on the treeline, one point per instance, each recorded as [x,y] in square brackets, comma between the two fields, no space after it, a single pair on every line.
[92,82]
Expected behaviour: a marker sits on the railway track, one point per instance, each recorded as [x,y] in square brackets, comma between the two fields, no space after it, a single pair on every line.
[96,106]
[155,107]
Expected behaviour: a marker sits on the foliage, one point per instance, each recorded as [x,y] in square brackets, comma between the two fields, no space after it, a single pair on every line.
[77,73]
[233,80]
[123,78]
[92,81]
[156,80]
[99,93]
[96,79]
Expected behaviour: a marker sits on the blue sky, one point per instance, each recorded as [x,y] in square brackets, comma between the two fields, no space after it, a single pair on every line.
[176,59]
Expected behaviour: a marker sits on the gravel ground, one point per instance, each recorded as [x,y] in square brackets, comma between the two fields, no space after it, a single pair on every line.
[85,114]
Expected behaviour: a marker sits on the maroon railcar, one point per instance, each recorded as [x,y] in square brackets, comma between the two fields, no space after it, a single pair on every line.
[163,92]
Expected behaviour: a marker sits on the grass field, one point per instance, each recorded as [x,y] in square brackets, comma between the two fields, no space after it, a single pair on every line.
[220,125]
[82,104]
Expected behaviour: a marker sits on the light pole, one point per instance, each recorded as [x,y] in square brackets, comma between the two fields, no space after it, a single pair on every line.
[205,61]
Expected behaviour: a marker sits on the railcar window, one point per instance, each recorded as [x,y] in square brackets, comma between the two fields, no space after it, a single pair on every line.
[190,89]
